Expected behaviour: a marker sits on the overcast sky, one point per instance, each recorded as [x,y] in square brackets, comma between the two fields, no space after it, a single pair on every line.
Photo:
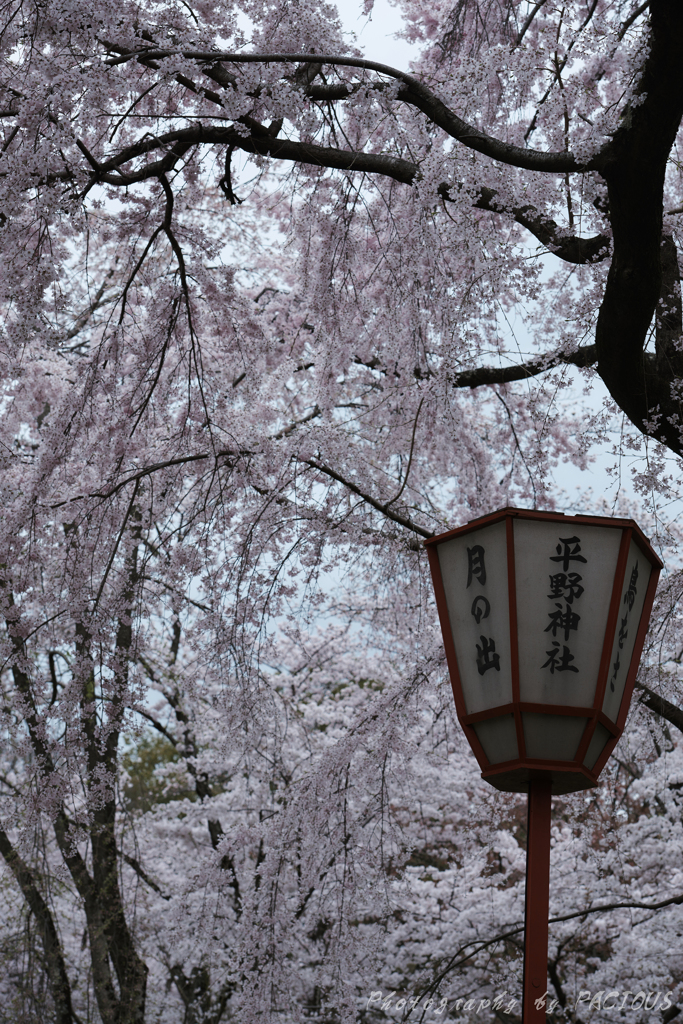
[375,35]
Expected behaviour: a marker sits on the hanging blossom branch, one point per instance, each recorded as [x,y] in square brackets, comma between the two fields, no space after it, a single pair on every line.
[147,471]
[312,463]
[630,163]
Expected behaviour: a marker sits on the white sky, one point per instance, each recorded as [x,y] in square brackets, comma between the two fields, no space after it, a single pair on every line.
[376,35]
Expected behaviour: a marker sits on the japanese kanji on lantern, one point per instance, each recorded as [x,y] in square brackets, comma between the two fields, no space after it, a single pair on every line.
[544,618]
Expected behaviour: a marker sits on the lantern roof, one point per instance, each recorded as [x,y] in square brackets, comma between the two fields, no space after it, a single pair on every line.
[527,513]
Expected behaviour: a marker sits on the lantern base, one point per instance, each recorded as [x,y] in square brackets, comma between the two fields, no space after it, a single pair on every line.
[516,780]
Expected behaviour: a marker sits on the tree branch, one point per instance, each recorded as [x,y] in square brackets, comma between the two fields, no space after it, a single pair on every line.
[527,24]
[566,246]
[54,958]
[633,17]
[480,946]
[156,725]
[660,705]
[383,508]
[412,91]
[180,461]
[488,375]
[634,172]
[204,792]
[261,142]
[142,874]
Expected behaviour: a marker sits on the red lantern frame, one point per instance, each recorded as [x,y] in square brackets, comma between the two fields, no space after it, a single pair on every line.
[515,775]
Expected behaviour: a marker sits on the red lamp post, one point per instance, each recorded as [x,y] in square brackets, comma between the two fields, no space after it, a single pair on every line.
[543,619]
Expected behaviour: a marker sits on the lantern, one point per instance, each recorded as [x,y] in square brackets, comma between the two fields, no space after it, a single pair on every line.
[543,618]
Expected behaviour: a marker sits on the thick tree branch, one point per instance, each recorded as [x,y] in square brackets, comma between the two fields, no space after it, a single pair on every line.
[569,248]
[527,24]
[633,17]
[487,375]
[261,142]
[634,171]
[54,958]
[565,245]
[412,91]
[131,970]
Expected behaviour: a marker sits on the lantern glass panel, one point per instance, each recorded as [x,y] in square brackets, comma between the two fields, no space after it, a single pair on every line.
[552,737]
[596,745]
[638,570]
[475,580]
[498,738]
[564,579]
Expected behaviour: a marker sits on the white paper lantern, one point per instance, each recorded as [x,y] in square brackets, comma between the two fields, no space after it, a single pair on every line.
[544,618]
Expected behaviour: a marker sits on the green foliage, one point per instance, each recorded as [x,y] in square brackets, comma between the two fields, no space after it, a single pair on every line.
[149,781]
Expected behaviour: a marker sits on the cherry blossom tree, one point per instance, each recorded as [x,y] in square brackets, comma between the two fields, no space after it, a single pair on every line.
[272,313]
